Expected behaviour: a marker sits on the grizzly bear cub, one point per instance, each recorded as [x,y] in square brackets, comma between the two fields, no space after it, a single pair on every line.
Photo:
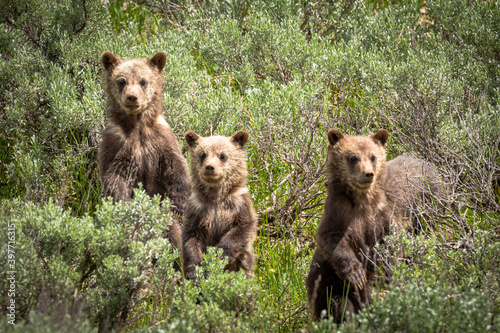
[414,190]
[138,146]
[363,200]
[220,212]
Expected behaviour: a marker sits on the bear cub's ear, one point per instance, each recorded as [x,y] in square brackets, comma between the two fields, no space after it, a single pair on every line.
[191,138]
[334,136]
[240,138]
[109,60]
[381,136]
[158,61]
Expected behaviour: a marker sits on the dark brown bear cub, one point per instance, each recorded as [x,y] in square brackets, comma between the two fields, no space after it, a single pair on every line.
[365,195]
[220,212]
[138,146]
[355,219]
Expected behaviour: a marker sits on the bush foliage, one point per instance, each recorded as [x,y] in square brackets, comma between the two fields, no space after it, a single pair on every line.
[286,71]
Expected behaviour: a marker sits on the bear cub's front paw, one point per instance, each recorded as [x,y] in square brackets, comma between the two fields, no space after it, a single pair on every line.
[358,278]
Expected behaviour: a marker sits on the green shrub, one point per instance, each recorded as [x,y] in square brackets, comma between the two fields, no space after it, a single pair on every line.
[432,290]
[106,264]
[39,323]
[220,301]
[417,308]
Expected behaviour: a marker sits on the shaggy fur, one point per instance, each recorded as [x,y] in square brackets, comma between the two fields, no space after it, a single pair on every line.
[413,188]
[138,146]
[355,219]
[415,192]
[365,195]
[220,212]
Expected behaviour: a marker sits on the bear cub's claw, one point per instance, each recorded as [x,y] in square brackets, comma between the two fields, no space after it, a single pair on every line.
[358,278]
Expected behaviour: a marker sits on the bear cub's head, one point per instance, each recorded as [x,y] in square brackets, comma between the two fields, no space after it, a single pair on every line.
[356,161]
[217,161]
[134,84]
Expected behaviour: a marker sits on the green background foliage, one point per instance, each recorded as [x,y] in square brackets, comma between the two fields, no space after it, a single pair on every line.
[286,71]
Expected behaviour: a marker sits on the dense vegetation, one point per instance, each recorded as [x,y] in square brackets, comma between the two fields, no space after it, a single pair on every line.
[286,71]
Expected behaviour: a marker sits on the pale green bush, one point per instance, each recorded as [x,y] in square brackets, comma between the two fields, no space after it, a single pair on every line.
[103,265]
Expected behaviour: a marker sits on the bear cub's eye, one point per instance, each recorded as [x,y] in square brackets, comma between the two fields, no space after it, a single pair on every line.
[203,156]
[143,83]
[223,157]
[373,158]
[121,83]
[353,159]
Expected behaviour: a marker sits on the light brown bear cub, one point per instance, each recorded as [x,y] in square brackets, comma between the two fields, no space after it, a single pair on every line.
[138,146]
[414,190]
[357,215]
[220,212]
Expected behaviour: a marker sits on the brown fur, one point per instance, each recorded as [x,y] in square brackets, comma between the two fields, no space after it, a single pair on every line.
[220,212]
[413,188]
[415,192]
[355,219]
[138,146]
[365,195]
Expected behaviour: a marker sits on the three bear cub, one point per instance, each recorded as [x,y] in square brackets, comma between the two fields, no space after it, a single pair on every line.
[365,194]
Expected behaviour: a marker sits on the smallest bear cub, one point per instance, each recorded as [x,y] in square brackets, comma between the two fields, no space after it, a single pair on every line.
[220,212]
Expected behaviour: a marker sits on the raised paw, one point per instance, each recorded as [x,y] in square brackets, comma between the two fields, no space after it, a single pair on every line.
[358,278]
